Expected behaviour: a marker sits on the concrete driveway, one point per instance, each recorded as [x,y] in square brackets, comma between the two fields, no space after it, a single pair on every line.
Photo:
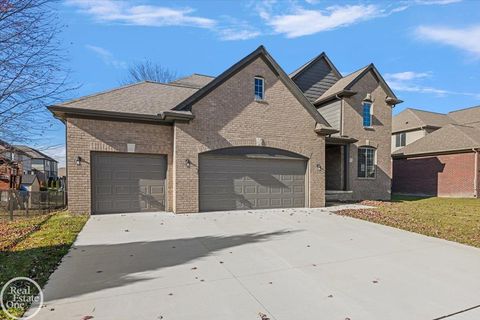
[287,264]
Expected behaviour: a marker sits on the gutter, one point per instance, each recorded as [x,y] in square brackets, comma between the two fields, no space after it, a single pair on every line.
[61,112]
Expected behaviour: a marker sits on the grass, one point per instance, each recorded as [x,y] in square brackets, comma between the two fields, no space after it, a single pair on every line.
[34,247]
[447,218]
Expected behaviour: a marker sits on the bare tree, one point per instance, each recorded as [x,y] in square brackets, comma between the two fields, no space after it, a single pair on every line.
[31,67]
[148,71]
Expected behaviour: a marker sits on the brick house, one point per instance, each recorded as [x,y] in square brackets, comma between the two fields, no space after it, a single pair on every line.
[444,161]
[252,137]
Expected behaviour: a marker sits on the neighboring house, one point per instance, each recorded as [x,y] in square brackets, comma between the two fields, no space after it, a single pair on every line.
[10,170]
[36,162]
[10,174]
[413,124]
[250,138]
[445,161]
[30,183]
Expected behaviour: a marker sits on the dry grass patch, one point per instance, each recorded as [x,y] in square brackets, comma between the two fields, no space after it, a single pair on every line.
[447,218]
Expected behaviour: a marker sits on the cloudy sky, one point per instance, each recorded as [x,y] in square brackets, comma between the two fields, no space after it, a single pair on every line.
[428,50]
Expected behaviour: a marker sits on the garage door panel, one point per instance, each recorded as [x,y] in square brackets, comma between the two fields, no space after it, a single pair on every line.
[128,182]
[229,182]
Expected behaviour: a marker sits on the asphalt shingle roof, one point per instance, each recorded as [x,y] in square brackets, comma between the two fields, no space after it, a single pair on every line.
[341,84]
[149,98]
[195,80]
[28,179]
[33,153]
[467,115]
[451,137]
[413,118]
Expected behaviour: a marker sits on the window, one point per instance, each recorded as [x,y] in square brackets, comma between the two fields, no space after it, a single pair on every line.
[400,139]
[259,88]
[367,114]
[366,162]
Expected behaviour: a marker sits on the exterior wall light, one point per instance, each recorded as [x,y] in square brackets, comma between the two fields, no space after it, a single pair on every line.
[319,167]
[78,161]
[188,163]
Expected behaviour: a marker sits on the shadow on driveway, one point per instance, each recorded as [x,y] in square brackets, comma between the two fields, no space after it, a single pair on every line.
[87,269]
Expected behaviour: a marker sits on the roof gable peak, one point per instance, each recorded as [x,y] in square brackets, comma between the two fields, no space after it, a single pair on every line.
[274,66]
[306,66]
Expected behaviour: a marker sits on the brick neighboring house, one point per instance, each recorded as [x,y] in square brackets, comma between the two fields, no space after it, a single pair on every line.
[445,160]
[252,137]
[10,170]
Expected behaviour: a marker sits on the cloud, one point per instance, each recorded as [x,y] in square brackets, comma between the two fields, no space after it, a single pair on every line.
[126,13]
[407,75]
[230,34]
[466,39]
[304,22]
[107,57]
[436,2]
[141,15]
[296,21]
[408,81]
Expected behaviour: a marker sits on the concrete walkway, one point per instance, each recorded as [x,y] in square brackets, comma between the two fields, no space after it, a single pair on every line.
[287,264]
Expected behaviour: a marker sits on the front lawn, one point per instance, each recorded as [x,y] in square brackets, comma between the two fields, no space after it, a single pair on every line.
[34,247]
[452,219]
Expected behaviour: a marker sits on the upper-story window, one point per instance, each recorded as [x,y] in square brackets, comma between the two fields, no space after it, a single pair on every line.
[400,139]
[367,114]
[366,162]
[259,87]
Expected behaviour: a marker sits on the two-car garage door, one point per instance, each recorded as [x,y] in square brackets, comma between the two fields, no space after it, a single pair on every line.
[126,182]
[251,178]
[229,179]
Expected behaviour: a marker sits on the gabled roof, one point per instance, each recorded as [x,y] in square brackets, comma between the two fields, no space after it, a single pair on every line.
[145,98]
[452,137]
[32,153]
[310,63]
[29,179]
[410,119]
[467,115]
[195,80]
[345,84]
[260,52]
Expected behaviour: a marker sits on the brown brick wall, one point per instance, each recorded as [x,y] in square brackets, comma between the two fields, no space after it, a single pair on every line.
[229,116]
[444,175]
[379,136]
[86,135]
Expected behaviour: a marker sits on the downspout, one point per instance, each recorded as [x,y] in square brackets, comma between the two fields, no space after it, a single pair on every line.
[341,114]
[475,176]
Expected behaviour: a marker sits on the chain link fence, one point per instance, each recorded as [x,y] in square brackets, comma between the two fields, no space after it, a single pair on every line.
[17,203]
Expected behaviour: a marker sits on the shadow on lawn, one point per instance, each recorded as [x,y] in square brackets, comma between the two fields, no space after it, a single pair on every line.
[87,269]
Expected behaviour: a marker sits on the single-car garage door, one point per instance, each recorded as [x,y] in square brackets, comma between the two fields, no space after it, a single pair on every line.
[125,182]
[251,178]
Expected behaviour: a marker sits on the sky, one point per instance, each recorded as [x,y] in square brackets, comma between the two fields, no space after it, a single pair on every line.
[427,50]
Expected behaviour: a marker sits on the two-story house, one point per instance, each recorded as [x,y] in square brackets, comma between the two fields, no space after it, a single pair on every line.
[251,138]
[36,162]
[33,161]
[437,154]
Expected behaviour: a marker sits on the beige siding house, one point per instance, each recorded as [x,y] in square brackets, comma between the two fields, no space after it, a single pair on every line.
[251,138]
